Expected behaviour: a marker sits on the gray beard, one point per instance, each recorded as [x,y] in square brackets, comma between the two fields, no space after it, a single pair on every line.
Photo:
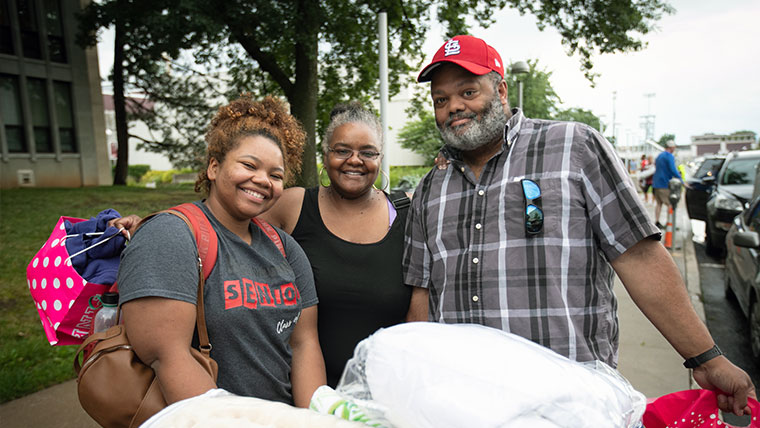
[480,131]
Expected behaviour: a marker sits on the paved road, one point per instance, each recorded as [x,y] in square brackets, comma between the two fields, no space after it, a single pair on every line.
[725,319]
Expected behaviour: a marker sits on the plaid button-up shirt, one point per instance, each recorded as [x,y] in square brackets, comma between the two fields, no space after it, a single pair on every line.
[466,239]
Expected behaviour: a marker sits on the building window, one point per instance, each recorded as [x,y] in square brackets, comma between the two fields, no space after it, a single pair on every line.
[6,41]
[10,110]
[38,101]
[54,24]
[64,112]
[30,38]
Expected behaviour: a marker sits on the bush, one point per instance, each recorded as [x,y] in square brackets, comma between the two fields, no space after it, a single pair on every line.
[407,177]
[422,136]
[163,177]
[152,176]
[137,171]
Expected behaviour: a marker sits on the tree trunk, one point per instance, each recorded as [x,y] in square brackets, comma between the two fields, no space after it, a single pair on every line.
[303,99]
[119,106]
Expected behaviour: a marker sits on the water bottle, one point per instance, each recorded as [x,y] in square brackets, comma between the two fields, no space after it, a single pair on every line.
[106,316]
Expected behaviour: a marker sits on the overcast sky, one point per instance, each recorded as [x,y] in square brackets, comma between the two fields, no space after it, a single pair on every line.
[702,64]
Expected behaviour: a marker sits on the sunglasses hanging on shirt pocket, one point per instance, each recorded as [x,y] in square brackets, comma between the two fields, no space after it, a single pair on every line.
[533,214]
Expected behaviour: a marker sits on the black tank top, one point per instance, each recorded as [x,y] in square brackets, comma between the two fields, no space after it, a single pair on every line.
[360,286]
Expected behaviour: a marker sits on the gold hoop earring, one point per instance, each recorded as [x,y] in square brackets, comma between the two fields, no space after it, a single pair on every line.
[321,170]
[387,181]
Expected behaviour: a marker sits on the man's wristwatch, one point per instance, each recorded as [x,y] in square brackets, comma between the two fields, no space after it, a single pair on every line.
[694,362]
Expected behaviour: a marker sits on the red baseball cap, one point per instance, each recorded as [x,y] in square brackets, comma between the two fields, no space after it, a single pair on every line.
[468,52]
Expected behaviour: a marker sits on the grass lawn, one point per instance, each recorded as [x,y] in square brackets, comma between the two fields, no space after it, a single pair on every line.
[27,216]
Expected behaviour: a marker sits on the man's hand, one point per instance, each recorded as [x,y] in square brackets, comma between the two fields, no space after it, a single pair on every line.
[731,383]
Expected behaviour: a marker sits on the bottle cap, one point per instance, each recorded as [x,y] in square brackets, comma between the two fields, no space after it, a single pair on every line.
[109,299]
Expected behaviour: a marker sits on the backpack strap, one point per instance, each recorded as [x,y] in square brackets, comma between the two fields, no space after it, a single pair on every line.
[271,233]
[400,200]
[204,235]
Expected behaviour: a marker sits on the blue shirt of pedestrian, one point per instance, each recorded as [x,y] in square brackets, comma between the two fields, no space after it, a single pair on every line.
[665,169]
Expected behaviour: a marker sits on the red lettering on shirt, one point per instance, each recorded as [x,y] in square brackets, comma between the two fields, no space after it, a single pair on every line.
[265,294]
[254,295]
[289,294]
[232,296]
[251,297]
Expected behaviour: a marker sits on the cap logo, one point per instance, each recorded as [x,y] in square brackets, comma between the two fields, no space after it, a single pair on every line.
[496,61]
[451,48]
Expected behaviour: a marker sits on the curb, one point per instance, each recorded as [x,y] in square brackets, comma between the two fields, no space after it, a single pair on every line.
[691,274]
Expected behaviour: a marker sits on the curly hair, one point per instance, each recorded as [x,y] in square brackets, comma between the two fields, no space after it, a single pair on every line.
[244,117]
[352,112]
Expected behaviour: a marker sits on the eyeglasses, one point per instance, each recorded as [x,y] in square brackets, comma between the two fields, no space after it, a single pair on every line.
[534,217]
[347,153]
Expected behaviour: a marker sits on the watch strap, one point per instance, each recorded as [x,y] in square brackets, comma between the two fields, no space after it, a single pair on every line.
[694,362]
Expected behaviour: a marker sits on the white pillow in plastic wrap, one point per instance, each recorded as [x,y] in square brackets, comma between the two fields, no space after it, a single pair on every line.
[218,408]
[420,375]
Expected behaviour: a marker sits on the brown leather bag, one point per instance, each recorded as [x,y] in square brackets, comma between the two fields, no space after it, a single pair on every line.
[117,389]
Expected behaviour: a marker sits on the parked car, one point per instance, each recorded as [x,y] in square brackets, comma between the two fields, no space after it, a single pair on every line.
[743,268]
[701,183]
[730,195]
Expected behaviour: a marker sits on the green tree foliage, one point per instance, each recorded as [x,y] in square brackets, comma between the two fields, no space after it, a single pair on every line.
[190,56]
[178,101]
[422,137]
[575,114]
[539,98]
[663,141]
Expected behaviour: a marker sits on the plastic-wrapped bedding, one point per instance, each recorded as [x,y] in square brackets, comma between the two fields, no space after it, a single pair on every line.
[218,408]
[420,375]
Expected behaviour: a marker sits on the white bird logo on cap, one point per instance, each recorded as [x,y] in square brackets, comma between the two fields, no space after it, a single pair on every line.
[451,47]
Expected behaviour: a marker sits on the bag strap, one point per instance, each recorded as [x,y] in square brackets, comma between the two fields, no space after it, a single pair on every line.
[208,240]
[271,233]
[204,234]
[400,200]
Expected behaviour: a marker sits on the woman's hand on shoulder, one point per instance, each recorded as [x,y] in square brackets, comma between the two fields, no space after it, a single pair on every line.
[128,223]
[285,212]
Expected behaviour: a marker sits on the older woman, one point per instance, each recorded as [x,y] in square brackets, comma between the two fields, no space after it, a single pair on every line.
[353,236]
[266,351]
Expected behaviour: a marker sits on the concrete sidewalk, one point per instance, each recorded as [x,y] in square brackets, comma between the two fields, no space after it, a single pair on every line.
[646,359]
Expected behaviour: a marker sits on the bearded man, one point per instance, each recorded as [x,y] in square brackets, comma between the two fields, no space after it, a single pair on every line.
[525,224]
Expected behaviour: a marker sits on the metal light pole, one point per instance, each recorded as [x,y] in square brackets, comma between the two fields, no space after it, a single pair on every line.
[614,97]
[382,34]
[519,70]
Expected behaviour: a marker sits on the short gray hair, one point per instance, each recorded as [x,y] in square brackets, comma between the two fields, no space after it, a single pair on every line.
[496,79]
[352,112]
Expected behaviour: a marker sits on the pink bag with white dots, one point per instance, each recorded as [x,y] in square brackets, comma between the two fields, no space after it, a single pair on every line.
[65,301]
[692,408]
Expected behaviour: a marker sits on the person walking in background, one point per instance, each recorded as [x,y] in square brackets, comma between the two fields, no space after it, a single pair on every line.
[646,171]
[526,222]
[665,169]
[648,182]
[268,350]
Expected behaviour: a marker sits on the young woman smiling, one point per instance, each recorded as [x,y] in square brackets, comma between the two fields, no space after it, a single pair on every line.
[268,351]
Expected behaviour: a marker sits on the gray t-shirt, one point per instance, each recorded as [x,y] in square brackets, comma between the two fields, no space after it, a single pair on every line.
[253,297]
